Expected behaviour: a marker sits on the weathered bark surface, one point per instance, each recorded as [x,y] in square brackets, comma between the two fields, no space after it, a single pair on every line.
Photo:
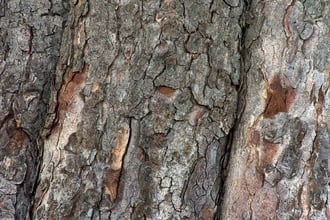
[130,109]
[279,162]
[142,103]
[30,37]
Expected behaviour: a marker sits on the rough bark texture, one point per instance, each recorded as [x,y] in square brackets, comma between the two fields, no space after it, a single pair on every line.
[131,109]
[30,37]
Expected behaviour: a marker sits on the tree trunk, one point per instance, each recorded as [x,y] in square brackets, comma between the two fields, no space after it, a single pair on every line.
[166,109]
[279,158]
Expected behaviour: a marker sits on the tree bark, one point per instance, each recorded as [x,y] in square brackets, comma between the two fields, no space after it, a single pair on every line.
[279,159]
[164,109]
[30,37]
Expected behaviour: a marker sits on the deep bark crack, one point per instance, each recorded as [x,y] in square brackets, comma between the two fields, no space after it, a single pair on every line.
[241,89]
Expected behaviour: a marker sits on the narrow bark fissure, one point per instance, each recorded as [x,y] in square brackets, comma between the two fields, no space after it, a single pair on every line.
[241,88]
[36,181]
[223,175]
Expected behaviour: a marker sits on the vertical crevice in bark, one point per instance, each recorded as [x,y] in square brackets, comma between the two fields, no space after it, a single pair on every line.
[277,135]
[29,48]
[241,99]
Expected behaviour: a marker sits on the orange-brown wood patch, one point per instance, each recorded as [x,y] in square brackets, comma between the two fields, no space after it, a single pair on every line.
[73,81]
[112,175]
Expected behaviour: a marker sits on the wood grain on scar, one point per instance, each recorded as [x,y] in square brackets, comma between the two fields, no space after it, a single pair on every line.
[112,175]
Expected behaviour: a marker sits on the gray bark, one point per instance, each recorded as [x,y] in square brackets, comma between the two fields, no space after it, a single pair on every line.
[30,36]
[164,109]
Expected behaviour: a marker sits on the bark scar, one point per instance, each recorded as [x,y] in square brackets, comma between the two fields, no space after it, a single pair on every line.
[116,163]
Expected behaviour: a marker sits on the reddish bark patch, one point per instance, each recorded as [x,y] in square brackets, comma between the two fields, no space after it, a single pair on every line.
[18,141]
[72,84]
[269,151]
[166,91]
[165,94]
[279,98]
[253,136]
[264,203]
[207,213]
[253,177]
